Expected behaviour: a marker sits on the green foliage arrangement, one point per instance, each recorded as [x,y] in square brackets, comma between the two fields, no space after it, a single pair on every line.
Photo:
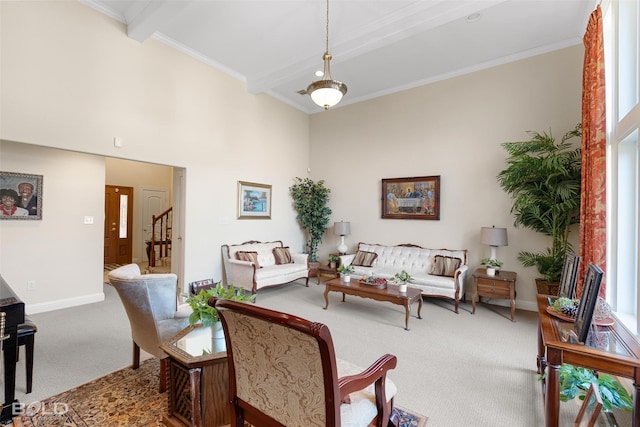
[334,258]
[345,269]
[576,381]
[491,262]
[543,179]
[403,276]
[203,312]
[310,201]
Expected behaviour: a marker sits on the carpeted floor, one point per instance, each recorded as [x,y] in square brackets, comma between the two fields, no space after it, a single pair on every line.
[125,398]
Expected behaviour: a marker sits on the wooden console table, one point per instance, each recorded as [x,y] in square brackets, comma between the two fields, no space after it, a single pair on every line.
[615,351]
[198,382]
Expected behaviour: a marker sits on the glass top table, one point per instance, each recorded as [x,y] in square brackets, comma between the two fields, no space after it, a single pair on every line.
[610,348]
[197,343]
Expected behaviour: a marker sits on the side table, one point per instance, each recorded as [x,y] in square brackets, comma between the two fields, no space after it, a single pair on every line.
[500,286]
[198,379]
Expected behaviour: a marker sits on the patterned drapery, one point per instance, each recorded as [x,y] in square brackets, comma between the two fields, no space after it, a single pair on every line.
[593,237]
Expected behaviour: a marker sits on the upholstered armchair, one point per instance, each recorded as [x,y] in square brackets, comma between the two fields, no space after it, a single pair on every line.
[283,372]
[151,305]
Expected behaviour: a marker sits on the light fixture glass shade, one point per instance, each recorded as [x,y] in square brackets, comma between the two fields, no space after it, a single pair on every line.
[493,236]
[326,93]
[342,228]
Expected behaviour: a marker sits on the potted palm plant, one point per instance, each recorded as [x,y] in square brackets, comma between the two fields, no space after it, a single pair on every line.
[543,179]
[310,201]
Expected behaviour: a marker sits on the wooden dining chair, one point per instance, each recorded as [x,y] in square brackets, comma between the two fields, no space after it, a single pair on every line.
[283,372]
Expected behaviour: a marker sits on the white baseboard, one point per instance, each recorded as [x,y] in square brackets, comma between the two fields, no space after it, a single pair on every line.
[63,303]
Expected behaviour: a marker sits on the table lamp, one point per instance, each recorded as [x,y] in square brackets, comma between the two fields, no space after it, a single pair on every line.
[342,229]
[493,237]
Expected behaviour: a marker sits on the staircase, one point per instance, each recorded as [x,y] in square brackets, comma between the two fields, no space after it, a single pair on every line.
[159,247]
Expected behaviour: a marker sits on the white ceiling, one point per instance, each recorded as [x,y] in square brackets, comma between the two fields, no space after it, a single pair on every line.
[378,46]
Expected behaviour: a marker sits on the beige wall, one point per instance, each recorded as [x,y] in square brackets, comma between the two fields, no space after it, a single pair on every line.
[61,254]
[453,129]
[86,82]
[72,79]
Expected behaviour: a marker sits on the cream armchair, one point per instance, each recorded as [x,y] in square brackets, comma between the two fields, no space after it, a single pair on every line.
[151,305]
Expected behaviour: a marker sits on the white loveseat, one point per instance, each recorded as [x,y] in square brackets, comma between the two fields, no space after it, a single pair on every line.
[261,268]
[436,272]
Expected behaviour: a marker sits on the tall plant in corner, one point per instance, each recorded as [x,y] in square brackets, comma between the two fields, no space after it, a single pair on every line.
[543,179]
[310,201]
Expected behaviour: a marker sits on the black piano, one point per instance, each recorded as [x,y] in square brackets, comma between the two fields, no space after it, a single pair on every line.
[13,308]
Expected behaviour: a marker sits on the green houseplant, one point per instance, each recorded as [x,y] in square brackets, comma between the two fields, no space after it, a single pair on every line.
[310,201]
[333,260]
[543,179]
[491,262]
[575,382]
[345,269]
[203,312]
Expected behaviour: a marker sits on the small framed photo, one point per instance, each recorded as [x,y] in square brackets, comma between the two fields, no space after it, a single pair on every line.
[588,301]
[590,409]
[254,200]
[411,198]
[21,196]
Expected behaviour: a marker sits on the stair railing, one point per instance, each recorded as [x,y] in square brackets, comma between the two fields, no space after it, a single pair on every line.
[164,233]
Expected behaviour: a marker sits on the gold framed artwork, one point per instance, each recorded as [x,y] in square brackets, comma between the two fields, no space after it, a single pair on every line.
[411,198]
[21,196]
[254,200]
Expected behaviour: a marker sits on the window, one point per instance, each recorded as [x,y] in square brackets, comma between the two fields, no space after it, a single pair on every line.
[621,38]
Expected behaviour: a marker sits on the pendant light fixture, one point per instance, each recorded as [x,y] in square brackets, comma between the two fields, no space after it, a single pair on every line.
[327,92]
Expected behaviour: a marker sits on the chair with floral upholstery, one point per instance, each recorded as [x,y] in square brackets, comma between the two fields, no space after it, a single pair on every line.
[283,372]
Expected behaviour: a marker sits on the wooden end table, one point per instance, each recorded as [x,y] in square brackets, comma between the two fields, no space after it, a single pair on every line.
[500,286]
[198,383]
[389,294]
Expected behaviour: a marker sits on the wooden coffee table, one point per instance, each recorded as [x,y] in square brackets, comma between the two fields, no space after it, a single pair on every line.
[390,294]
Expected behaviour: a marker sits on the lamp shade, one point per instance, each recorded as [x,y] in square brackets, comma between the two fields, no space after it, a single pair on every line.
[342,228]
[493,236]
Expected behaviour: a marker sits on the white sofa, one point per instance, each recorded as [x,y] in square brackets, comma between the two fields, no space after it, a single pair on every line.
[447,282]
[252,276]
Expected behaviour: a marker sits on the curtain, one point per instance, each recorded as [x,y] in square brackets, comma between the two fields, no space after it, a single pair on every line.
[593,240]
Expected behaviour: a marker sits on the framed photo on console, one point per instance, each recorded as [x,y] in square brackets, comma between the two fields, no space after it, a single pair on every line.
[590,409]
[569,276]
[21,196]
[254,200]
[588,301]
[411,198]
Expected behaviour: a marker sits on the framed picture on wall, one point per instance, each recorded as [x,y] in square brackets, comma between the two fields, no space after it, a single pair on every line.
[411,198]
[21,196]
[254,200]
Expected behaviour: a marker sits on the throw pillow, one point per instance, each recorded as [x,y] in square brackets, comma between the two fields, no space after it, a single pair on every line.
[248,256]
[445,265]
[282,255]
[364,258]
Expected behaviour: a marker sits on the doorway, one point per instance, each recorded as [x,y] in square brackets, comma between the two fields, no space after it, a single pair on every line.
[118,224]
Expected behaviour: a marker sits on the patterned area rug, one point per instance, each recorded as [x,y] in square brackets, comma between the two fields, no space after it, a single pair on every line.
[125,398]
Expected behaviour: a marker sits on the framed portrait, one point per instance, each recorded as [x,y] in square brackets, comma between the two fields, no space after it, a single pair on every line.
[411,198]
[254,200]
[569,276]
[21,196]
[588,301]
[590,409]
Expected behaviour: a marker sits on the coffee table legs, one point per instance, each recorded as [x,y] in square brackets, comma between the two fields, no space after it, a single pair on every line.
[407,311]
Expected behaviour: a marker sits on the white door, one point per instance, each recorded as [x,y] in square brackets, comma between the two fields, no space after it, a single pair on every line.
[177,241]
[154,202]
